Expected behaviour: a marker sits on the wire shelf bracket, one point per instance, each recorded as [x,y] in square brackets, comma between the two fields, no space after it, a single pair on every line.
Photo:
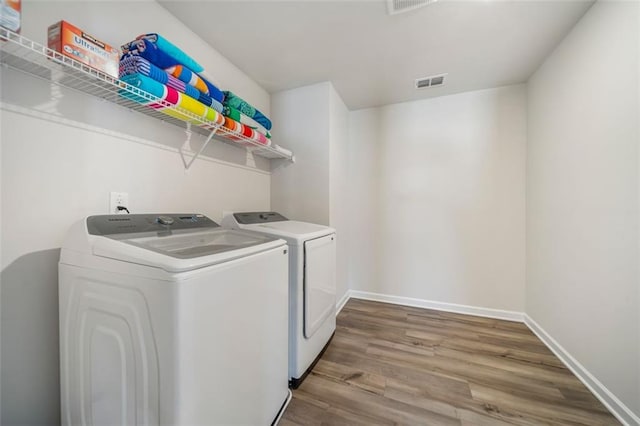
[187,144]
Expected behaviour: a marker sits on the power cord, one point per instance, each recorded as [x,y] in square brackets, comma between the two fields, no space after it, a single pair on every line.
[123,208]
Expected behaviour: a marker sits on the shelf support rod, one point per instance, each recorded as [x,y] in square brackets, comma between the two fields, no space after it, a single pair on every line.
[188,164]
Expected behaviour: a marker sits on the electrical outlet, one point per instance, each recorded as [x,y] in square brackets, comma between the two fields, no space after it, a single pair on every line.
[118,199]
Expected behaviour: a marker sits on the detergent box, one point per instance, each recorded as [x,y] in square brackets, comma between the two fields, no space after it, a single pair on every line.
[75,43]
[10,15]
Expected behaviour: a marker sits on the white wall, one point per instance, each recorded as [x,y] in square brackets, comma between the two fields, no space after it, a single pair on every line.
[339,212]
[438,186]
[300,191]
[62,153]
[582,197]
[363,183]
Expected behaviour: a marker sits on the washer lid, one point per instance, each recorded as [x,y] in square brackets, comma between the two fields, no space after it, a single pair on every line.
[183,251]
[173,242]
[194,244]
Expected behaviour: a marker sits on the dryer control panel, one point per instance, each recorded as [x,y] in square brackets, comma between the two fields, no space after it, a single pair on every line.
[250,218]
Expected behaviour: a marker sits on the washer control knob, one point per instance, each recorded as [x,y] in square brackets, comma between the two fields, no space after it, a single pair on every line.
[165,220]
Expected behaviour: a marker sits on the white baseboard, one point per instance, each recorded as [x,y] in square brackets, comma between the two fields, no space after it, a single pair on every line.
[439,306]
[343,301]
[608,399]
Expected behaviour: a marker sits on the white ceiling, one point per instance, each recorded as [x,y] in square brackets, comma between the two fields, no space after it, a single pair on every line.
[373,58]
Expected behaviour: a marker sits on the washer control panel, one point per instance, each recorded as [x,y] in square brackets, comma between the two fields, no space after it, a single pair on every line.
[132,223]
[165,220]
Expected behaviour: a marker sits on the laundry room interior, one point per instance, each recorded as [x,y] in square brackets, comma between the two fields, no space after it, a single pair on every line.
[422,212]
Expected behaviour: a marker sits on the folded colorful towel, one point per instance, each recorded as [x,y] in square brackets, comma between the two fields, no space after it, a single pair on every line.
[171,96]
[137,64]
[185,74]
[172,50]
[238,128]
[247,121]
[231,100]
[151,52]
[260,130]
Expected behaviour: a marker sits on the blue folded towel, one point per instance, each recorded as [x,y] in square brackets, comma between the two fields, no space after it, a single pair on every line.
[172,50]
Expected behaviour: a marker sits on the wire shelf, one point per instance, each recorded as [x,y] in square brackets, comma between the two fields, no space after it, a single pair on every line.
[24,55]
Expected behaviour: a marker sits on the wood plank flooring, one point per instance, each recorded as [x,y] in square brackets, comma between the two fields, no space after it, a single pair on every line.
[390,364]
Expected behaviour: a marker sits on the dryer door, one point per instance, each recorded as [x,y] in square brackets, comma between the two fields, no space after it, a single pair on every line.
[319,282]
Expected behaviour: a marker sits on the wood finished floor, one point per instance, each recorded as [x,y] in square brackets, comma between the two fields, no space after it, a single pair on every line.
[390,364]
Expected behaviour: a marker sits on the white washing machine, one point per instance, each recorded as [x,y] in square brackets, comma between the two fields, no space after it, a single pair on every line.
[172,320]
[312,283]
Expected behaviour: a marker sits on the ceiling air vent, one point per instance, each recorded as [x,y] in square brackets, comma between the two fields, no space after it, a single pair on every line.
[433,81]
[399,6]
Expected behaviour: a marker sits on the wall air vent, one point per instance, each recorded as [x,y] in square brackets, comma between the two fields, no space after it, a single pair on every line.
[399,6]
[433,81]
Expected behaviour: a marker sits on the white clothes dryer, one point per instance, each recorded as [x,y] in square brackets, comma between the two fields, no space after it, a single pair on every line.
[170,319]
[312,283]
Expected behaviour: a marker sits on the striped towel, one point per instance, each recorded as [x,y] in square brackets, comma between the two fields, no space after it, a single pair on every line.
[185,74]
[236,115]
[173,97]
[238,128]
[137,64]
[234,101]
